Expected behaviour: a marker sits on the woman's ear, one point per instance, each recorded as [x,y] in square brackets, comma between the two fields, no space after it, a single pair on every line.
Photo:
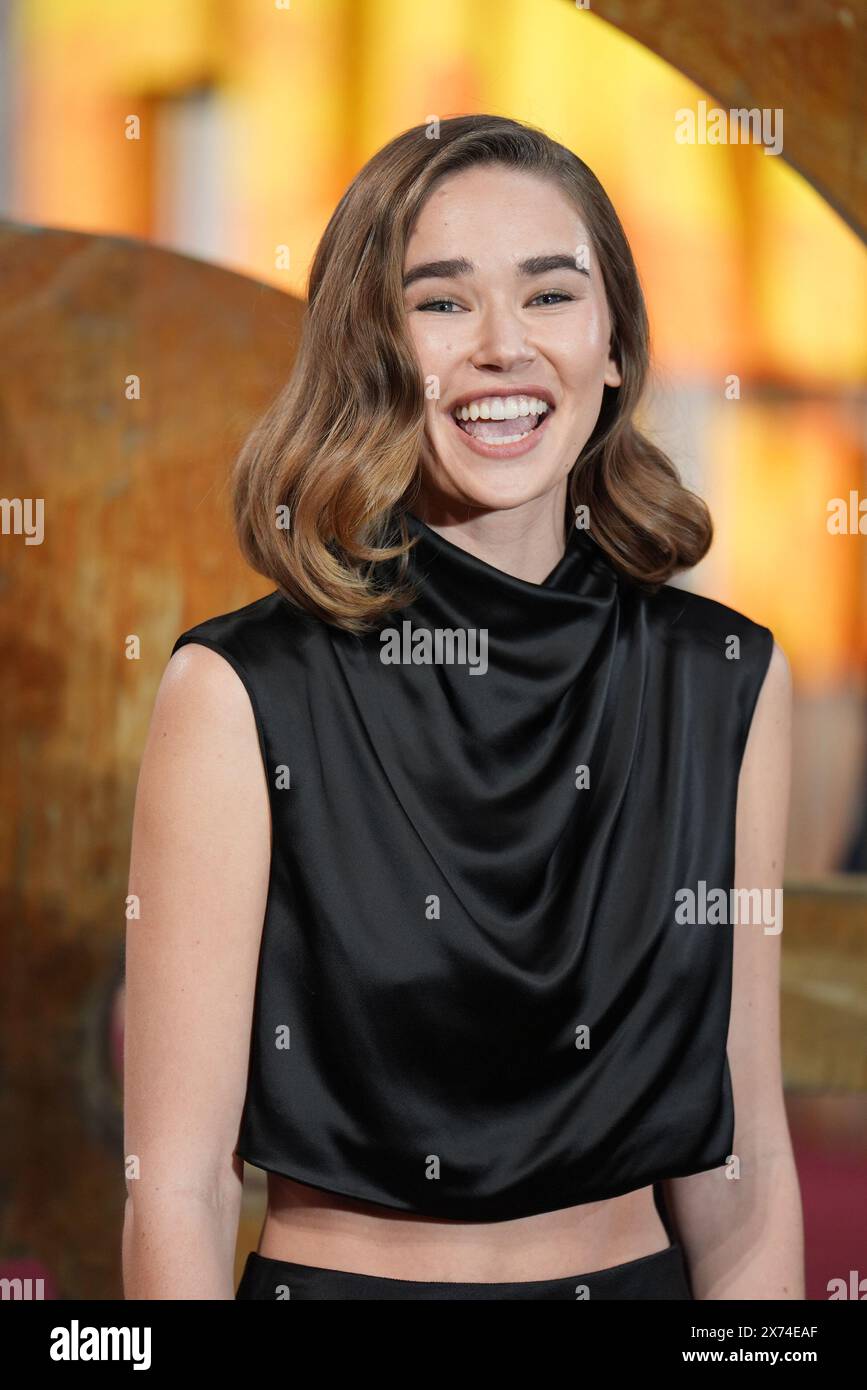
[613,376]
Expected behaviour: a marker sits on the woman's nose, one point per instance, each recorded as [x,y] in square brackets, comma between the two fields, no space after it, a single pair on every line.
[502,342]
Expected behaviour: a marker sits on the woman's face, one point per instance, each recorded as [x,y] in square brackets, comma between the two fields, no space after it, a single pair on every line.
[498,324]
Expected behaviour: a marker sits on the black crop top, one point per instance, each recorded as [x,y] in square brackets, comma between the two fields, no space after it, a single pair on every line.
[476,995]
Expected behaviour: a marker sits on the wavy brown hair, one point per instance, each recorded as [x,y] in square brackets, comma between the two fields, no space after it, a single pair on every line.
[338,451]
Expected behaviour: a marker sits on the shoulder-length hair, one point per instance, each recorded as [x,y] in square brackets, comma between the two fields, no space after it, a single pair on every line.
[338,451]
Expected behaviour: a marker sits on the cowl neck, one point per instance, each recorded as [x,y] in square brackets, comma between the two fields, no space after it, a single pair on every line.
[484,763]
[437,549]
[533,629]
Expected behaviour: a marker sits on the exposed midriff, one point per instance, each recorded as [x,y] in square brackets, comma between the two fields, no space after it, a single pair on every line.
[309,1226]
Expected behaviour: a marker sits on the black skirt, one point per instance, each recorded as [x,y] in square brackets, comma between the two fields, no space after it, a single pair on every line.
[660,1275]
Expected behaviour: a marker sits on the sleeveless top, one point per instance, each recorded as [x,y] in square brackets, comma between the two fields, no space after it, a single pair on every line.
[478,996]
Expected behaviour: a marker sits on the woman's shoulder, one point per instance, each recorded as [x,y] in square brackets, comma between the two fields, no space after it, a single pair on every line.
[263,641]
[681,613]
[245,626]
[261,635]
[731,656]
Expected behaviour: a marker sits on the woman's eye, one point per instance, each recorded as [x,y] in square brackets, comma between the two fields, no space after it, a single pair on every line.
[448,305]
[556,295]
[435,303]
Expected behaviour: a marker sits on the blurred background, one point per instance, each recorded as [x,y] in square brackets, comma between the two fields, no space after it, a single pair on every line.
[165,173]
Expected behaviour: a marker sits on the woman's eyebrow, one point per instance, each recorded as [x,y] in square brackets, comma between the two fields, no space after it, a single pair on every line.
[533,265]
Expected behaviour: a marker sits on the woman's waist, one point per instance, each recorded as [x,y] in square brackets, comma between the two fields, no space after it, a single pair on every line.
[311,1226]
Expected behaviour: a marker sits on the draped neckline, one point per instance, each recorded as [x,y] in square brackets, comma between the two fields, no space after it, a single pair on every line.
[483,761]
[434,546]
[533,629]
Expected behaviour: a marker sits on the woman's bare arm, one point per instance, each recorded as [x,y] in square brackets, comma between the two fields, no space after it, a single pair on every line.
[743,1236]
[199,867]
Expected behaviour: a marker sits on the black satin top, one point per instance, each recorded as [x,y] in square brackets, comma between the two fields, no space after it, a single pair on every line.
[475,999]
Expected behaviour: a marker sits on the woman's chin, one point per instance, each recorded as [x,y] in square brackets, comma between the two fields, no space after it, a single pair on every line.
[495,486]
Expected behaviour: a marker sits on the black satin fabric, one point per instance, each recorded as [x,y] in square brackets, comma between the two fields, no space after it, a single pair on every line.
[447,908]
[661,1275]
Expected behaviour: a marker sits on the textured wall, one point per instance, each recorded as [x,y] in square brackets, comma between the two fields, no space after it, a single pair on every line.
[137,541]
[808,57]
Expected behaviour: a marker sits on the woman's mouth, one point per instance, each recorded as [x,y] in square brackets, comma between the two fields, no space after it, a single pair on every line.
[502,426]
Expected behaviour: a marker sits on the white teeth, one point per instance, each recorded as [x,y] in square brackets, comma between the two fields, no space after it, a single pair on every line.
[507,439]
[501,408]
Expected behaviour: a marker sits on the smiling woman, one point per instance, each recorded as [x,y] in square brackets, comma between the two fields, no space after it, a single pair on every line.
[485,265]
[438,985]
[538,322]
[503,419]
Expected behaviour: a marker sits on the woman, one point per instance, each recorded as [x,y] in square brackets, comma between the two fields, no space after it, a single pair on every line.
[425,840]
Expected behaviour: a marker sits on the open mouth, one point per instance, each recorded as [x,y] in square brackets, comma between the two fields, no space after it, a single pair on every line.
[501,420]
